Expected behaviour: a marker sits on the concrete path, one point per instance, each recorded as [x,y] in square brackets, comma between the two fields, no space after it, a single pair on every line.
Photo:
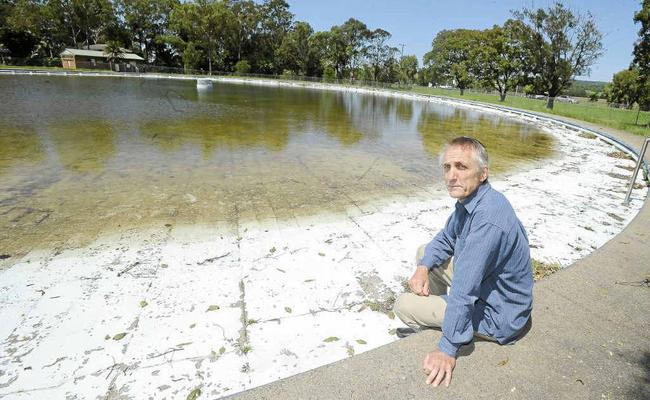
[590,340]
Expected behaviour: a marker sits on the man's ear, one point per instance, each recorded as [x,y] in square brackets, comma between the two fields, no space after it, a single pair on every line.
[484,174]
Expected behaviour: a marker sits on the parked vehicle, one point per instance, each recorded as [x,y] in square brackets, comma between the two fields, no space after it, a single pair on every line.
[566,99]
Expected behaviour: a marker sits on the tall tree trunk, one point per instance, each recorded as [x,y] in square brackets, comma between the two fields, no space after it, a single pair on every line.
[502,96]
[462,91]
[209,65]
[549,104]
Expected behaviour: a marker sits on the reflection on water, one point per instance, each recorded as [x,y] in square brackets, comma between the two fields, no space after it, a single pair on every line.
[83,146]
[221,132]
[509,144]
[80,156]
[18,146]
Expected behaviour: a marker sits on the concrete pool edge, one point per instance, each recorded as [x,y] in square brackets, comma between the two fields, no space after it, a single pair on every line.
[589,339]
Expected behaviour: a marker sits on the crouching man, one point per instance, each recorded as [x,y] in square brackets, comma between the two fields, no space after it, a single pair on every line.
[474,278]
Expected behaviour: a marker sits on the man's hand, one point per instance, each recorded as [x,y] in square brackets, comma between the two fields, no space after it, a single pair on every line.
[419,282]
[438,365]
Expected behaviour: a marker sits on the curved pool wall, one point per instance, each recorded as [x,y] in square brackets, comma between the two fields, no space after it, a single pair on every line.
[123,284]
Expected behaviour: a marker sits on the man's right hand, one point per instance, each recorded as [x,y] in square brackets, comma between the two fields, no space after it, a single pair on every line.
[419,282]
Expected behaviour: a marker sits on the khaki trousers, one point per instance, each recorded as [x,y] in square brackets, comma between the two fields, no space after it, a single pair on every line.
[420,312]
[426,311]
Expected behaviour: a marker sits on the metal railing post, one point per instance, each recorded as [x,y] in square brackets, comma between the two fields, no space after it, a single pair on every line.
[639,162]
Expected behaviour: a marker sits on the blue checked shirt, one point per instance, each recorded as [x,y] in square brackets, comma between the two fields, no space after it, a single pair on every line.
[492,284]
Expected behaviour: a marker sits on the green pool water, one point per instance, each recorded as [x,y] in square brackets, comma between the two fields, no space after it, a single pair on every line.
[80,156]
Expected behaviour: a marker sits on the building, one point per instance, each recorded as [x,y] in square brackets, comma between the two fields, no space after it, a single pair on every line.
[95,57]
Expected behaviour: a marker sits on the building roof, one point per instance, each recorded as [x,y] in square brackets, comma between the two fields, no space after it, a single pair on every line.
[99,54]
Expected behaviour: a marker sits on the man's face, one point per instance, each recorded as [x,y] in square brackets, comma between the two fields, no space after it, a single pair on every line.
[462,173]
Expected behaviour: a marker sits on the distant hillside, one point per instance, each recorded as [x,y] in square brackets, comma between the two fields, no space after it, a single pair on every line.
[580,88]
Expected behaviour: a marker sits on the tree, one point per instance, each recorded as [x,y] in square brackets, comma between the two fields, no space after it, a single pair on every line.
[380,55]
[147,20]
[113,52]
[275,22]
[20,28]
[293,54]
[625,88]
[452,57]
[203,23]
[642,57]
[500,57]
[560,45]
[191,56]
[408,69]
[642,46]
[242,67]
[354,35]
[320,53]
[243,24]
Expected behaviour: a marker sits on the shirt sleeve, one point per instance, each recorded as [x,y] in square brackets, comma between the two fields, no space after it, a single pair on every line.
[441,247]
[475,261]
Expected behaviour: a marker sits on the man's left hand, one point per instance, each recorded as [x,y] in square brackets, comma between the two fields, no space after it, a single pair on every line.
[438,366]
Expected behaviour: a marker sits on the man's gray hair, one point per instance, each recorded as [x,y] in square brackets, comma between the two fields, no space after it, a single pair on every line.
[480,154]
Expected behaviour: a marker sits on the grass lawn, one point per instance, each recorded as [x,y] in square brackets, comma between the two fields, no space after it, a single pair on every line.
[591,112]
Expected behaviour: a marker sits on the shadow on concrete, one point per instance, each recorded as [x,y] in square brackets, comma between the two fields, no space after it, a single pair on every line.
[642,389]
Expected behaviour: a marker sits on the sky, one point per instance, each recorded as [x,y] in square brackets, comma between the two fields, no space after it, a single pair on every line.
[414,23]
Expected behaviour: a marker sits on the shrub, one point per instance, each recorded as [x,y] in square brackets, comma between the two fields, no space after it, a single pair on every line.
[329,75]
[242,67]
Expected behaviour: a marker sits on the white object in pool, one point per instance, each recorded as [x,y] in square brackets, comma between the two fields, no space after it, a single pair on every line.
[203,83]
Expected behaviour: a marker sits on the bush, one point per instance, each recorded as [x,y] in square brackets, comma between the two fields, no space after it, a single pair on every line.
[329,75]
[242,67]
[288,74]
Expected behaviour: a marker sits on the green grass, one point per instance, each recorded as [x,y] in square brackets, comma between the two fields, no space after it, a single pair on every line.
[542,269]
[597,113]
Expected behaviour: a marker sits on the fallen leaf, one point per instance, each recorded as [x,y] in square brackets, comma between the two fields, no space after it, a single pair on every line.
[119,336]
[288,309]
[194,394]
[222,350]
[502,362]
[143,304]
[330,339]
[272,250]
[391,315]
[361,341]
[213,307]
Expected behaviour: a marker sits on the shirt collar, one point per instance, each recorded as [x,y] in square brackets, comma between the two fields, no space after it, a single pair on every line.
[471,201]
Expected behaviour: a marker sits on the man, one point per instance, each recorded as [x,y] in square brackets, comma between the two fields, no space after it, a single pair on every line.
[490,276]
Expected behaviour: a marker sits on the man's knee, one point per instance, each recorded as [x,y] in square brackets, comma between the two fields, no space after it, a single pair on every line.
[403,306]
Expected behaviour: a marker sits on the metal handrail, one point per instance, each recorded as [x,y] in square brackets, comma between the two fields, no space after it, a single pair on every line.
[639,161]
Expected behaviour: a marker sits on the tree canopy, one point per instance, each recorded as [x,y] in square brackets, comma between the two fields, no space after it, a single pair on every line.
[559,45]
[256,36]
